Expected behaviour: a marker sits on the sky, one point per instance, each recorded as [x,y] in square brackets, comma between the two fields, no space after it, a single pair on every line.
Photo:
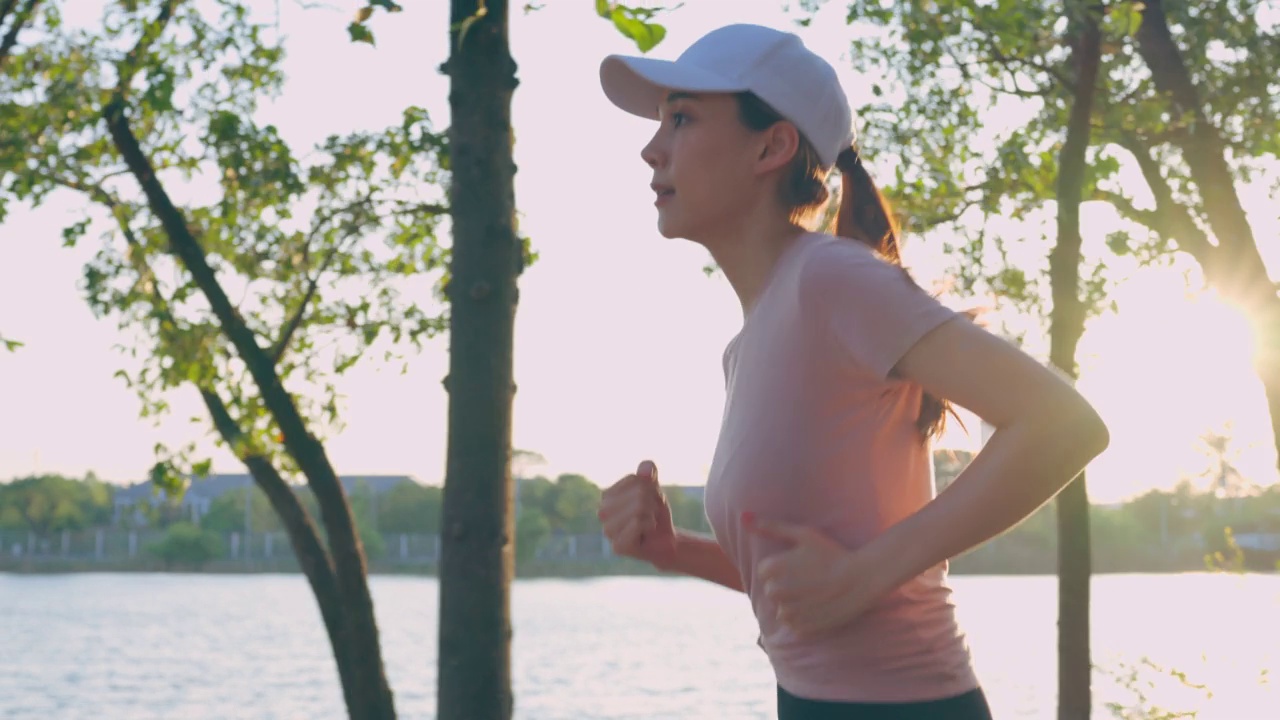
[619,332]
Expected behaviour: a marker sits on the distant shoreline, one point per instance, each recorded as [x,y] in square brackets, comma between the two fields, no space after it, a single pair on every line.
[541,571]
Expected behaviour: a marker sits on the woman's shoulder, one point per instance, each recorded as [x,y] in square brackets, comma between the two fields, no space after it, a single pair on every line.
[829,260]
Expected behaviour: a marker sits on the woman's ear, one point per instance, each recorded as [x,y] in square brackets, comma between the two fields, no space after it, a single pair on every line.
[780,144]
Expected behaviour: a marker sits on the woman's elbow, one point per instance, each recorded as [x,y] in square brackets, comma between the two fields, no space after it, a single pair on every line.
[1086,428]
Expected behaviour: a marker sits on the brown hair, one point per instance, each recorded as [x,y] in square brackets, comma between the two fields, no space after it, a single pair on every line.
[863,214]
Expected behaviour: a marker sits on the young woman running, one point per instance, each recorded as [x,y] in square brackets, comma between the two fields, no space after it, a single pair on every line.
[820,493]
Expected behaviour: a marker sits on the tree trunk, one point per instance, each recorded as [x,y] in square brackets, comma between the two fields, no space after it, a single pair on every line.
[1234,266]
[477,561]
[361,630]
[1066,325]
[312,557]
[310,552]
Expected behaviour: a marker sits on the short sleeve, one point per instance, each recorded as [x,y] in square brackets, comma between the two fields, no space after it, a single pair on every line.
[870,308]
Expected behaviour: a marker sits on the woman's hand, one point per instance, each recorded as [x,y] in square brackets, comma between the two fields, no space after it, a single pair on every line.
[816,584]
[637,519]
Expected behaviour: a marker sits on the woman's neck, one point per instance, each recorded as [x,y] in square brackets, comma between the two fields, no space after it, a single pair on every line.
[747,257]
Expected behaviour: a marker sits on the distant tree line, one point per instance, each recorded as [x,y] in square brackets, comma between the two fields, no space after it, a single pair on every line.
[1160,530]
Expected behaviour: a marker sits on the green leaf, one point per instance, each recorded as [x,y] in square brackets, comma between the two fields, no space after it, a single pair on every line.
[72,233]
[360,33]
[202,468]
[10,345]
[387,5]
[163,476]
[604,9]
[645,35]
[1135,17]
[1120,242]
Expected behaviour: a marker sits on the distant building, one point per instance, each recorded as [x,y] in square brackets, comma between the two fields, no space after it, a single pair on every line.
[202,492]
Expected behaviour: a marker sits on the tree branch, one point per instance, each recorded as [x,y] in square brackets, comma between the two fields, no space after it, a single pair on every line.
[1009,64]
[277,351]
[925,224]
[963,67]
[1170,218]
[22,17]
[1203,148]
[921,225]
[291,326]
[133,60]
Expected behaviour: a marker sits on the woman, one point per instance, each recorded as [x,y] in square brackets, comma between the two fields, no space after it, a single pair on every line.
[820,493]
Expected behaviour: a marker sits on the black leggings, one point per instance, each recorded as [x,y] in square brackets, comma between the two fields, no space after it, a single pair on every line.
[969,706]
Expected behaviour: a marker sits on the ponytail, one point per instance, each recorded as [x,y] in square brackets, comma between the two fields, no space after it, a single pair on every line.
[864,215]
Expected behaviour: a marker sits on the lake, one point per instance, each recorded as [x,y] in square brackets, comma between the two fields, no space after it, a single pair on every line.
[223,647]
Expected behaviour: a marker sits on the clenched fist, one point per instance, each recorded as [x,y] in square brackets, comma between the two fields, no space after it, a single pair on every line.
[637,518]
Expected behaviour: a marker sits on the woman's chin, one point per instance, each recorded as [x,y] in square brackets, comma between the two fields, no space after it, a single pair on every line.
[668,229]
[671,228]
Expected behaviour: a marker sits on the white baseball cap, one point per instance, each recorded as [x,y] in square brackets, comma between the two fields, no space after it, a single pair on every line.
[774,65]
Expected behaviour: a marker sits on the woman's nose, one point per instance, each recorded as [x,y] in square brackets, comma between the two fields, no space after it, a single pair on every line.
[650,154]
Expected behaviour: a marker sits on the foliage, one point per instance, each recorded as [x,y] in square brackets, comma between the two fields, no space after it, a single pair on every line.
[185,545]
[532,528]
[46,504]
[634,22]
[930,124]
[1141,681]
[1226,555]
[568,504]
[410,508]
[319,247]
[358,30]
[226,513]
[375,547]
[687,511]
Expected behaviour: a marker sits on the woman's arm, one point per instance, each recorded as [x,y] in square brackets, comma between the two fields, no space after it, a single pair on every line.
[702,557]
[1046,433]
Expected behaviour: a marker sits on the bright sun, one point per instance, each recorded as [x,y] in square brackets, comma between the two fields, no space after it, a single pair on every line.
[1172,365]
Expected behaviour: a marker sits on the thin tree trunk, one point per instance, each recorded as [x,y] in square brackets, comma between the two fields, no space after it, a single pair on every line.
[1066,325]
[477,563]
[312,557]
[310,552]
[1234,266]
[361,631]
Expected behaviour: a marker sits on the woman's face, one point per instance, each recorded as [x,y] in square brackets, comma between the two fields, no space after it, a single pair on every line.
[705,164]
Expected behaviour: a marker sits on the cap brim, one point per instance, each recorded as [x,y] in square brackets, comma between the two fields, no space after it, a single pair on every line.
[639,85]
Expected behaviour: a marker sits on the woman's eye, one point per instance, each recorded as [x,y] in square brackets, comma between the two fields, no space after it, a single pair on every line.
[678,118]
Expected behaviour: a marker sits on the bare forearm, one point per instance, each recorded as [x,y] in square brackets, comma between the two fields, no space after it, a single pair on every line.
[702,557]
[1020,468]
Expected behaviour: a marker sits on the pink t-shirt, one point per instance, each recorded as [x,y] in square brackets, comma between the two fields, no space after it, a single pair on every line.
[815,432]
